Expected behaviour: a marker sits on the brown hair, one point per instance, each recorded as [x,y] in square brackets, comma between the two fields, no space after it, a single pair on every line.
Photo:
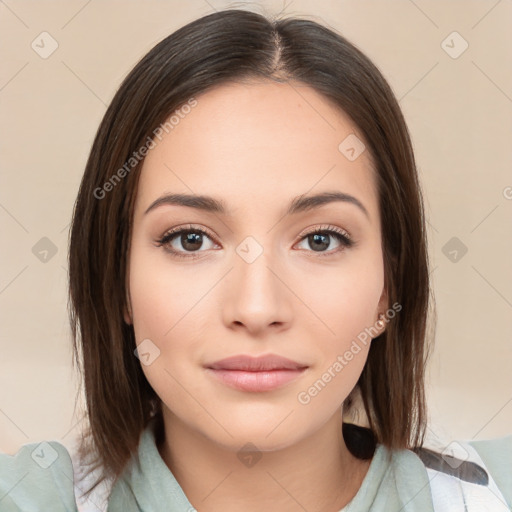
[230,46]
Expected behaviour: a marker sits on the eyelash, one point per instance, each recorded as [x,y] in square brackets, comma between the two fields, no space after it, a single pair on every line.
[341,235]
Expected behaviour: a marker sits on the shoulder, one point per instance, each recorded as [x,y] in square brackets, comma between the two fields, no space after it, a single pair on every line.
[39,476]
[470,472]
[495,451]
[497,456]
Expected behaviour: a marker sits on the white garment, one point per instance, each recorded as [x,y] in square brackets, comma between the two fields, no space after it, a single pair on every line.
[453,494]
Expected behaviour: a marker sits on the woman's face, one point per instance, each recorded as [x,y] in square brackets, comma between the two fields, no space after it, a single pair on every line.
[256,283]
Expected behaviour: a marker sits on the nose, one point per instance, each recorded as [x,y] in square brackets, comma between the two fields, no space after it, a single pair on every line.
[256,296]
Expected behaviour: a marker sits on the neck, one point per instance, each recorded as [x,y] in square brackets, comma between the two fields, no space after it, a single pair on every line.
[317,473]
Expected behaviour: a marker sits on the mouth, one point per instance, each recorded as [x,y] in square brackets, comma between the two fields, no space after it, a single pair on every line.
[256,374]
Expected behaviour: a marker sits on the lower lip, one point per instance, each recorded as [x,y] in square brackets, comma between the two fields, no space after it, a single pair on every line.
[256,381]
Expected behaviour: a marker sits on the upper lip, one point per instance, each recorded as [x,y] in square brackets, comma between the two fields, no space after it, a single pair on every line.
[254,364]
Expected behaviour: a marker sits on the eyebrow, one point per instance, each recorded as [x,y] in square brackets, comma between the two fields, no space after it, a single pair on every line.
[298,204]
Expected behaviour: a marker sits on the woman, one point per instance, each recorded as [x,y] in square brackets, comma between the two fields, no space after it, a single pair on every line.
[248,261]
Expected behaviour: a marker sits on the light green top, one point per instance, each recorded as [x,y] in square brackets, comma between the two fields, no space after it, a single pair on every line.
[39,477]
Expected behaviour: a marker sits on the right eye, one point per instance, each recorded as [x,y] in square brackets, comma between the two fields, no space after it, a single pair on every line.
[180,241]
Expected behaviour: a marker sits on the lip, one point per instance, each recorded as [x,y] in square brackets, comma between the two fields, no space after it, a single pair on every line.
[256,374]
[256,364]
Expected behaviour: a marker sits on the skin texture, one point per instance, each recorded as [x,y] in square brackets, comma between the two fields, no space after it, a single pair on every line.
[256,146]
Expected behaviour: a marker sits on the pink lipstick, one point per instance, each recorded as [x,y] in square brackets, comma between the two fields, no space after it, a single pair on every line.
[256,374]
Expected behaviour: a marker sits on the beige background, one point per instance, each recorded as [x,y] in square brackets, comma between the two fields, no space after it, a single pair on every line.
[459,111]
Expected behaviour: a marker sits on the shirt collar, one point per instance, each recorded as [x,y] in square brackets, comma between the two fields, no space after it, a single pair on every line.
[148,481]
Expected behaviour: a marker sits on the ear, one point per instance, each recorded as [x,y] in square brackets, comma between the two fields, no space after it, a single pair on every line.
[380,316]
[383,304]
[127,313]
[127,310]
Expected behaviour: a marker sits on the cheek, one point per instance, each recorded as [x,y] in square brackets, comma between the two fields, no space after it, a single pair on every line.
[163,295]
[163,314]
[168,304]
[344,300]
[345,303]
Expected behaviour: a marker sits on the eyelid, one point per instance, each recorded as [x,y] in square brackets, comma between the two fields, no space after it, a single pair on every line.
[305,232]
[325,227]
[189,227]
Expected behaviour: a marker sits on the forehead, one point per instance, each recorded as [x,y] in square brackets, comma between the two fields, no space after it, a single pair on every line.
[256,144]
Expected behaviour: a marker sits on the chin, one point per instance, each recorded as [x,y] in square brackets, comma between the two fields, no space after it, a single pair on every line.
[255,441]
[267,435]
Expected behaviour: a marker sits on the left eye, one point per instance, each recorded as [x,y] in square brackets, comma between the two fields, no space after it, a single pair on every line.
[319,240]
